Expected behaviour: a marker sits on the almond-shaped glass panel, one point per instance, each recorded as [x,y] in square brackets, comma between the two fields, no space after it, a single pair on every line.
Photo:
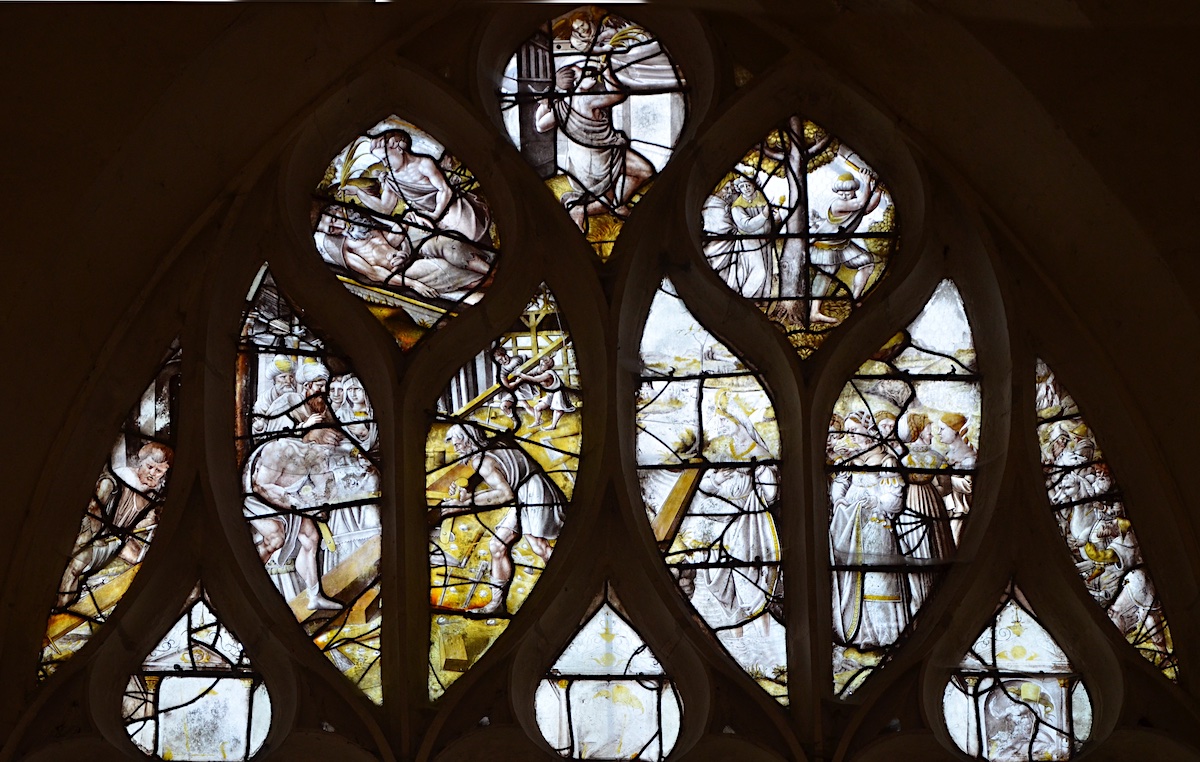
[307,447]
[901,457]
[708,465]
[803,227]
[1015,696]
[196,695]
[501,460]
[119,521]
[595,104]
[404,226]
[1090,513]
[607,696]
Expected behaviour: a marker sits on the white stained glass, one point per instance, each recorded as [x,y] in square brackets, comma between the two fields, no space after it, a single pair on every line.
[1016,697]
[609,719]
[206,718]
[674,343]
[607,645]
[1020,643]
[607,696]
[668,422]
[943,329]
[1095,525]
[739,423]
[1081,711]
[824,184]
[195,696]
[953,396]
[1018,719]
[208,640]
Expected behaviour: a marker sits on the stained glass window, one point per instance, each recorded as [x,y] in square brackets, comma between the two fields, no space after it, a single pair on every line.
[119,521]
[1015,696]
[307,444]
[708,465]
[607,696]
[803,227]
[596,104]
[501,461]
[1090,514]
[197,696]
[742,442]
[901,455]
[403,224]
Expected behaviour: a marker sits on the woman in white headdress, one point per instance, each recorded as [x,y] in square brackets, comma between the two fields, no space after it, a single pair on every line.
[869,606]
[358,415]
[923,529]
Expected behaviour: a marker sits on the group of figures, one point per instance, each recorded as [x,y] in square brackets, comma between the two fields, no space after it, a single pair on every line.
[403,224]
[308,453]
[196,694]
[596,104]
[501,462]
[901,453]
[1091,518]
[119,522]
[803,227]
[1015,696]
[708,465]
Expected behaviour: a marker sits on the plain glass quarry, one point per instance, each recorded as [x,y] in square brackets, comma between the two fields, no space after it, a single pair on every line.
[1015,696]
[607,696]
[196,695]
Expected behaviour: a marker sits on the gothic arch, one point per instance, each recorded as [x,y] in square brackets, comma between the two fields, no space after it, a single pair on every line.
[962,219]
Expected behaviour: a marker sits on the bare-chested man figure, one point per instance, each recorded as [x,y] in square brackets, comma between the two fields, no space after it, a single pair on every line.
[419,182]
[284,478]
[440,264]
[604,171]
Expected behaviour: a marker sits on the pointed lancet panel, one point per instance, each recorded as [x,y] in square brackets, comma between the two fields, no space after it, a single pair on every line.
[307,445]
[404,226]
[1015,696]
[708,465]
[501,460]
[901,457]
[607,696]
[803,227]
[119,521]
[197,696]
[595,104]
[1091,516]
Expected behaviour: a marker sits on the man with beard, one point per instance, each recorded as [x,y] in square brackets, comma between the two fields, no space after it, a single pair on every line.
[282,375]
[509,478]
[604,170]
[418,181]
[287,480]
[120,518]
[306,409]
